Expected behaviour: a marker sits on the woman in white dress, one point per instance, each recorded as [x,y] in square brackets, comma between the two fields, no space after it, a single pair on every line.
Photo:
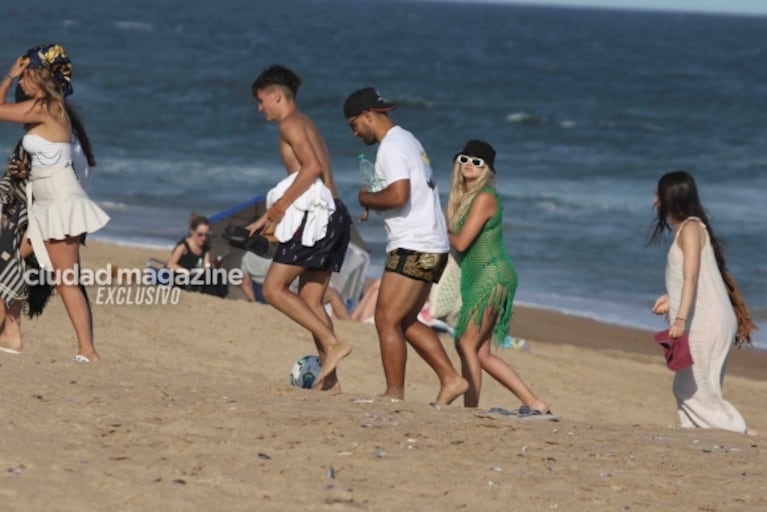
[702,299]
[59,210]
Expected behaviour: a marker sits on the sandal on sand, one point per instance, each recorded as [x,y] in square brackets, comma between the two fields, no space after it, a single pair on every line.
[9,351]
[525,413]
[502,411]
[80,359]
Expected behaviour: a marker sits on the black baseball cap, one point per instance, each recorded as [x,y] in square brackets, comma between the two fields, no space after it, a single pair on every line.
[366,99]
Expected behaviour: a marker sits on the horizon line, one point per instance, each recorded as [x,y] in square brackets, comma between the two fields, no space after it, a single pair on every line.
[647,9]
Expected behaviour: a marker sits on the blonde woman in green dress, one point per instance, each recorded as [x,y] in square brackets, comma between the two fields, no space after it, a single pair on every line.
[488,278]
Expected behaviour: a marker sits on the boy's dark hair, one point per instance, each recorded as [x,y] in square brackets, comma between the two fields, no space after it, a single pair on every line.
[279,75]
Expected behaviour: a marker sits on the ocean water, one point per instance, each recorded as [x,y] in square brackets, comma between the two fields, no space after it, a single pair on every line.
[586,108]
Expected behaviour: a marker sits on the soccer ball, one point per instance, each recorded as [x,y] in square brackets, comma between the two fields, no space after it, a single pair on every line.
[305,371]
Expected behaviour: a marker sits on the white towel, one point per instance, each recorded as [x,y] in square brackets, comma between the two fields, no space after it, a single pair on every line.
[318,204]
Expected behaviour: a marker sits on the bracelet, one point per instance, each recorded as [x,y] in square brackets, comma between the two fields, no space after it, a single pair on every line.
[273,218]
[9,77]
[682,319]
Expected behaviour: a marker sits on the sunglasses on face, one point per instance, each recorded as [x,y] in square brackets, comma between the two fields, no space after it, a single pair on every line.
[201,234]
[475,161]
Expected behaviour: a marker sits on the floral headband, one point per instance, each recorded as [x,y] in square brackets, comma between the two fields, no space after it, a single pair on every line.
[53,58]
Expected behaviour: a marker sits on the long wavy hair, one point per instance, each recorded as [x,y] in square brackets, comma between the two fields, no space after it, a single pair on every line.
[74,119]
[53,98]
[462,193]
[678,200]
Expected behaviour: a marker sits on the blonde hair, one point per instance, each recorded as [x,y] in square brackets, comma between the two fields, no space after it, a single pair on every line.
[53,99]
[461,194]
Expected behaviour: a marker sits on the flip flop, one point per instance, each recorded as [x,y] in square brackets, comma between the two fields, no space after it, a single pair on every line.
[525,413]
[502,411]
[80,359]
[10,351]
[239,237]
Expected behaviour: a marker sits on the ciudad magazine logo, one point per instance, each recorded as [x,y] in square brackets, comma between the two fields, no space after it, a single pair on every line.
[124,286]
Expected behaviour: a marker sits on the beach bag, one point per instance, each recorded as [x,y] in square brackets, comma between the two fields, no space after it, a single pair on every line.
[445,296]
[676,350]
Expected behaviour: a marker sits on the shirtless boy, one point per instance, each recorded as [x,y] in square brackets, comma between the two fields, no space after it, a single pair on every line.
[304,153]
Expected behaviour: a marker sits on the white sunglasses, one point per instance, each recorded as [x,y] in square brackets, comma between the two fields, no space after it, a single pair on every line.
[475,161]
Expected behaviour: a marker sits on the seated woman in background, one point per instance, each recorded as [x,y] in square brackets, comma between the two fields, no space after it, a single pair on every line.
[193,252]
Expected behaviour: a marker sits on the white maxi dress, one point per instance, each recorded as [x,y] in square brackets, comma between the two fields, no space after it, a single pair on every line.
[712,327]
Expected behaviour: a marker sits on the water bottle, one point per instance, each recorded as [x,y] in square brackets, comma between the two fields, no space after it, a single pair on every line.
[368,176]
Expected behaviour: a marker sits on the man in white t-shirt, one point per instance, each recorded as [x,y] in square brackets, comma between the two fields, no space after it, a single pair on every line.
[417,245]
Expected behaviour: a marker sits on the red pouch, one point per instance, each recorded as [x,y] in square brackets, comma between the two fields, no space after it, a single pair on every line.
[676,350]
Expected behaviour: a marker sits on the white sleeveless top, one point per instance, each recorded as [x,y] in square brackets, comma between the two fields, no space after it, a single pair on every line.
[45,153]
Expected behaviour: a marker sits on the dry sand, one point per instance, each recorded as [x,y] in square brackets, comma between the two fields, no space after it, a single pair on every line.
[191,411]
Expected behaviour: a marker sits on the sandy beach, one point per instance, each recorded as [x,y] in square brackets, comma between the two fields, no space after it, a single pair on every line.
[191,410]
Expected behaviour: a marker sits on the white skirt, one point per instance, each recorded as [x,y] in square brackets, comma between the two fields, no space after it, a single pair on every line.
[58,207]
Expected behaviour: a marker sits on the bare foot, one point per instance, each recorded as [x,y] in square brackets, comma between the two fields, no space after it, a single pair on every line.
[539,406]
[452,390]
[752,432]
[330,384]
[335,389]
[332,358]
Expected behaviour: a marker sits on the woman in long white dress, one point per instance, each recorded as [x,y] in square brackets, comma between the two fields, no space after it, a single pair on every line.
[703,300]
[59,210]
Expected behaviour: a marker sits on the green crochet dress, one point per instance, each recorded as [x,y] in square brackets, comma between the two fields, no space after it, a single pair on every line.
[488,277]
